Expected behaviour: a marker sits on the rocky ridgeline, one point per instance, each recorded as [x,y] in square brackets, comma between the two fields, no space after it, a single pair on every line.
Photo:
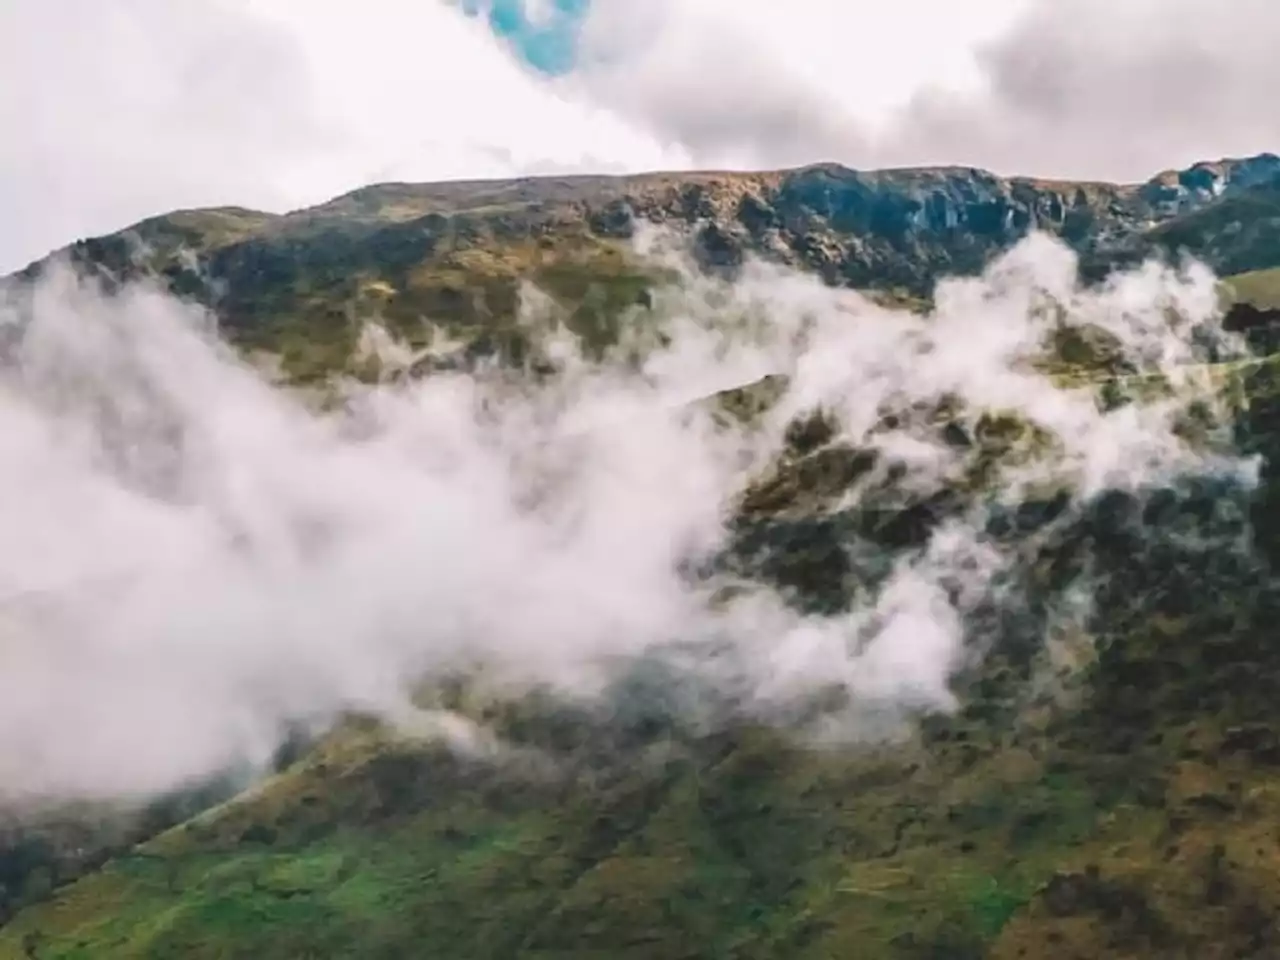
[873,229]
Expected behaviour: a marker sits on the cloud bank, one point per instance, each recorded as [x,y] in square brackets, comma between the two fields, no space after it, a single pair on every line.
[194,559]
[1070,88]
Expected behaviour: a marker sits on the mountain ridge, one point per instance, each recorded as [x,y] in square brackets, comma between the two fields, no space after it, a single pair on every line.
[1138,821]
[933,194]
[454,254]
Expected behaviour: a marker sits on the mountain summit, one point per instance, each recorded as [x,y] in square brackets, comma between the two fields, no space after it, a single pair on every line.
[301,282]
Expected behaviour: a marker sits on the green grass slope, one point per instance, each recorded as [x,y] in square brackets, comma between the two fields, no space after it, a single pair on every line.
[1134,817]
[1258,287]
[961,843]
[1130,812]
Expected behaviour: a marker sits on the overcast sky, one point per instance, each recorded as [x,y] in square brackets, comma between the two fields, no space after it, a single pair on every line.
[114,110]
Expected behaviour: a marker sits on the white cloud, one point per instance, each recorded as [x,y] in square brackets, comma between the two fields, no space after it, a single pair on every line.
[192,558]
[1108,89]
[111,112]
[798,82]
[1111,89]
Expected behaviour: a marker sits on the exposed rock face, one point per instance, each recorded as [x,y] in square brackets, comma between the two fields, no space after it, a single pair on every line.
[1178,191]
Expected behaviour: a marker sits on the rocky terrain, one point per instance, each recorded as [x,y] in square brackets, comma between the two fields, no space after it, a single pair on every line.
[1129,814]
[301,284]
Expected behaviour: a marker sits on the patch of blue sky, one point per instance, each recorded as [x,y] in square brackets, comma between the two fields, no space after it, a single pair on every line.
[547,42]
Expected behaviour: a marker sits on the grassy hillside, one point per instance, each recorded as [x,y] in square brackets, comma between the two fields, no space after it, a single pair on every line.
[1258,287]
[1119,801]
[1133,817]
[1141,824]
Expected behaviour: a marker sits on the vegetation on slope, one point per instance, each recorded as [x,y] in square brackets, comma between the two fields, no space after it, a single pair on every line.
[453,255]
[1133,818]
[1259,288]
[1139,821]
[1126,809]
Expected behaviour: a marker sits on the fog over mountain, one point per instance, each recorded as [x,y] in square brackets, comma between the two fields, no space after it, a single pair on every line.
[680,478]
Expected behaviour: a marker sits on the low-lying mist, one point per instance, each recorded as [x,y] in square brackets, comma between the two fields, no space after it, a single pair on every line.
[195,559]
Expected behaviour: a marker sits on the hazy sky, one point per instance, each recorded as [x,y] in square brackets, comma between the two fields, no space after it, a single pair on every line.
[114,110]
